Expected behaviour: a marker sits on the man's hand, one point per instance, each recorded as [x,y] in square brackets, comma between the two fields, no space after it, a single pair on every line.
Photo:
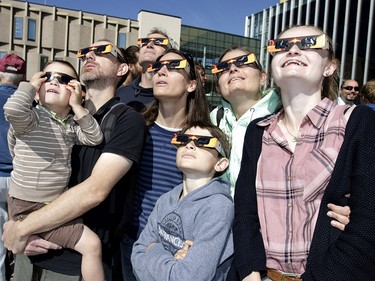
[11,237]
[36,246]
[340,216]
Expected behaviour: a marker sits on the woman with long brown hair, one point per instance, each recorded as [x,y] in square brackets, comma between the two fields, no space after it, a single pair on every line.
[179,99]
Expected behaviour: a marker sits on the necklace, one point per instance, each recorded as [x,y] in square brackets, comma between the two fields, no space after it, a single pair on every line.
[294,138]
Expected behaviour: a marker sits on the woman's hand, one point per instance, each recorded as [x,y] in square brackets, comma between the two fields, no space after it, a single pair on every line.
[340,216]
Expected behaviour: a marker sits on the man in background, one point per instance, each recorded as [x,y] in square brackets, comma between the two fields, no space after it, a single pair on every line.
[12,72]
[139,93]
[348,92]
[131,55]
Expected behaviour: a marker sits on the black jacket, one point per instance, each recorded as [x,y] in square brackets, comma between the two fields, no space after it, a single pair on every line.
[334,255]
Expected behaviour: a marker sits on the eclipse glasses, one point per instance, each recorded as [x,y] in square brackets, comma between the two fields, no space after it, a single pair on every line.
[303,43]
[199,141]
[101,50]
[244,60]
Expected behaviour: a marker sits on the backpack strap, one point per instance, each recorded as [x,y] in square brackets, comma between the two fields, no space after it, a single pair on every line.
[107,125]
[109,120]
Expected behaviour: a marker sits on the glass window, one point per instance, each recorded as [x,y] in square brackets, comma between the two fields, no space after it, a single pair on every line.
[43,61]
[2,54]
[18,28]
[122,40]
[31,30]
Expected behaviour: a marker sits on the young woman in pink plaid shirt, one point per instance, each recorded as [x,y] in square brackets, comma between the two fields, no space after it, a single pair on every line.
[298,160]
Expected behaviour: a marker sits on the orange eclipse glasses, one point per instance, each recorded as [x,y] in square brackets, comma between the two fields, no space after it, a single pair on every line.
[244,60]
[303,43]
[199,141]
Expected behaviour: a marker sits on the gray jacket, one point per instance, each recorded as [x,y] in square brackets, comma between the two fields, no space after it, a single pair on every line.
[204,216]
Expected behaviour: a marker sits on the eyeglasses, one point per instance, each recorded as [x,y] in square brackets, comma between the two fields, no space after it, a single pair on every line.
[101,50]
[60,77]
[248,60]
[170,64]
[349,88]
[303,43]
[199,141]
[157,41]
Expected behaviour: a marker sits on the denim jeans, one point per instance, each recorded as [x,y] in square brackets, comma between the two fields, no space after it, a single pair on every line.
[126,251]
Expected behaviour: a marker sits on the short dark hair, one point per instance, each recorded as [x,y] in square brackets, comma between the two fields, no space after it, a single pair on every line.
[66,63]
[214,131]
[130,54]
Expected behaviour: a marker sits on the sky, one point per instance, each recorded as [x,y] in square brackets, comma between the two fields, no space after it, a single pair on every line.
[219,15]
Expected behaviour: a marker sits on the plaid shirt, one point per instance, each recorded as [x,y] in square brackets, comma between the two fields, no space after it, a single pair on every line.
[290,185]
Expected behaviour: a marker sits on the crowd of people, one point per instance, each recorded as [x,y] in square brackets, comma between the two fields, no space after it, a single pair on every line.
[126,172]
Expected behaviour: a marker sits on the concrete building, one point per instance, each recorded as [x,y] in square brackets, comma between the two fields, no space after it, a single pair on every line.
[350,23]
[40,33]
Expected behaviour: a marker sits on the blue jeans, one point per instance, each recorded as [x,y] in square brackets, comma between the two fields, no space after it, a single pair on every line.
[126,251]
[4,181]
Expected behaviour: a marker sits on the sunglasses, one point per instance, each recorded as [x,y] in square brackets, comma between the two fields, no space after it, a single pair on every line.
[303,43]
[248,60]
[101,50]
[170,64]
[349,88]
[157,41]
[60,77]
[199,141]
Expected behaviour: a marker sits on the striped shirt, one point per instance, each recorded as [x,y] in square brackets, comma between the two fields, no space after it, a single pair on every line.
[41,143]
[290,185]
[157,175]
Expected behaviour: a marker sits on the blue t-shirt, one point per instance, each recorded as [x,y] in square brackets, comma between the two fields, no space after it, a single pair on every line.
[157,175]
[6,90]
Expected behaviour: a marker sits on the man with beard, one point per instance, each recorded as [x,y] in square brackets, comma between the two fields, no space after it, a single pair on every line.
[348,92]
[99,180]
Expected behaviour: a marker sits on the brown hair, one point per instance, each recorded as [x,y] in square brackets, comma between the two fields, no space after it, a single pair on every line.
[196,104]
[68,64]
[368,92]
[214,131]
[130,54]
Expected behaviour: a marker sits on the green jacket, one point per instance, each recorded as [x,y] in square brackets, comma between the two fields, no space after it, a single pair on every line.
[236,129]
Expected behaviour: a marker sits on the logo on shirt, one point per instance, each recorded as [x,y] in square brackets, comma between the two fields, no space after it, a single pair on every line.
[171,233]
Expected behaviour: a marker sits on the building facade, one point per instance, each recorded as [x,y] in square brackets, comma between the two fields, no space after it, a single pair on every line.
[39,33]
[350,23]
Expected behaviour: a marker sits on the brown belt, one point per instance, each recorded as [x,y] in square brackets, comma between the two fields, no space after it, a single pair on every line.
[278,276]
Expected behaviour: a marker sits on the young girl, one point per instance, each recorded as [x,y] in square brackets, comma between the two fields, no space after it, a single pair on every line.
[296,162]
[41,140]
